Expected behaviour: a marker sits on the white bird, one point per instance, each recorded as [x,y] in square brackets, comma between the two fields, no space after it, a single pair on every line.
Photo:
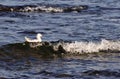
[38,39]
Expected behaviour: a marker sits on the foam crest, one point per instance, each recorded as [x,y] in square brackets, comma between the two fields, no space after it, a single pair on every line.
[90,47]
[41,8]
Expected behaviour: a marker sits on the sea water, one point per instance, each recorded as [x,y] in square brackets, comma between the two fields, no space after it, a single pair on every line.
[93,32]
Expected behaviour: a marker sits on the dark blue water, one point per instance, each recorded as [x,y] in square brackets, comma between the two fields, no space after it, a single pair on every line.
[100,20]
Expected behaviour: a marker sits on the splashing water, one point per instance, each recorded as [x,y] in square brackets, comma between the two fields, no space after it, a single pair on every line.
[90,47]
[83,47]
[41,8]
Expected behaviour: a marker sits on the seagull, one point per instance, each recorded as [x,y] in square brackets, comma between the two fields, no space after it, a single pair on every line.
[38,39]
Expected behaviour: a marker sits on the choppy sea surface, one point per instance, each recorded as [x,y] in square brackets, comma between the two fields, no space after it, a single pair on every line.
[88,30]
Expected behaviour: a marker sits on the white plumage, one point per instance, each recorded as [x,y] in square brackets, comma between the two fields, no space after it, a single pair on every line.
[38,38]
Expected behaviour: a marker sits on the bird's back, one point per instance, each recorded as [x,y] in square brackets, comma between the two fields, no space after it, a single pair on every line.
[31,40]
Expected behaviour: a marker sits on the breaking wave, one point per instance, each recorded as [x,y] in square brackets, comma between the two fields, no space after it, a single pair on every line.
[68,47]
[42,8]
[56,49]
[90,47]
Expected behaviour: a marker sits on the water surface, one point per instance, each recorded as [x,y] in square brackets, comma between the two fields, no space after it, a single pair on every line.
[100,20]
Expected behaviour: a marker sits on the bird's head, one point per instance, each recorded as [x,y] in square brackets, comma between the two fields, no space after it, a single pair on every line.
[39,35]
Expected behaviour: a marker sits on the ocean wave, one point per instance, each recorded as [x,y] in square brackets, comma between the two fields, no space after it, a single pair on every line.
[42,8]
[61,47]
[90,47]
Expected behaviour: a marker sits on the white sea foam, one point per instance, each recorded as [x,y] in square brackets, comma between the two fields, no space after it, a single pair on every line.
[85,47]
[41,8]
[90,47]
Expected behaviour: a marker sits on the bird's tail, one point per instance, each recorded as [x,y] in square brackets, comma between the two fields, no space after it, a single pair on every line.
[27,39]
